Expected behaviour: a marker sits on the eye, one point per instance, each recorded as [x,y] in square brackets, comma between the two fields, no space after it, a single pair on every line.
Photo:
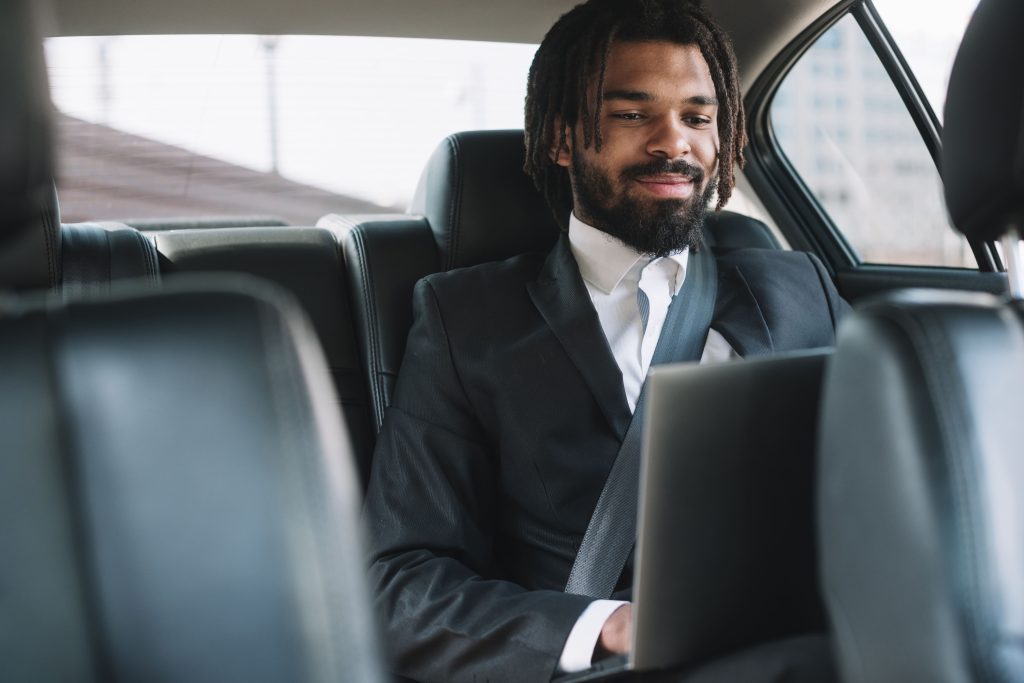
[697,121]
[628,116]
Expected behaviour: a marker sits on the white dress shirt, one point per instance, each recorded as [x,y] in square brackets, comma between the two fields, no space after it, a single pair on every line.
[612,273]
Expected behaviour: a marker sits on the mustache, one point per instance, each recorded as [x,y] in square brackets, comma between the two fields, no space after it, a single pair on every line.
[665,166]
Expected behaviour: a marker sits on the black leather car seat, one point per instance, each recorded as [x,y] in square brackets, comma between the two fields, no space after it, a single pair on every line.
[76,259]
[473,204]
[921,513]
[85,259]
[307,262]
[177,501]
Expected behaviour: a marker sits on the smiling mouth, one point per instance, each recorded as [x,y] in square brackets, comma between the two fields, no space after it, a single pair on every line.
[669,186]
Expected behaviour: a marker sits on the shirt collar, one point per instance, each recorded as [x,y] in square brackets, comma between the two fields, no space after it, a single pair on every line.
[605,261]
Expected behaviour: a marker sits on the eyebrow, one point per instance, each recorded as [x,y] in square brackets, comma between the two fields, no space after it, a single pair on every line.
[642,96]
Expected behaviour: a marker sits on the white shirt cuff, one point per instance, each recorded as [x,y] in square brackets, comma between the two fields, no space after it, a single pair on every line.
[579,646]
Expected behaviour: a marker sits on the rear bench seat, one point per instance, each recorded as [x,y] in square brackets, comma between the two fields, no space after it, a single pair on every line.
[83,259]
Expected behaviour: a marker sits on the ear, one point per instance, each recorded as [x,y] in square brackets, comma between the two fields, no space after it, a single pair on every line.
[561,152]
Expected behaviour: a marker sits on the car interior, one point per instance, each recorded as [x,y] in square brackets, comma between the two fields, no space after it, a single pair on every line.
[190,405]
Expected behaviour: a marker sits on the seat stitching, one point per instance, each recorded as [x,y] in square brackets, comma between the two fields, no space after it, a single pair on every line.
[48,239]
[369,305]
[455,209]
[109,263]
[148,257]
[942,381]
[967,480]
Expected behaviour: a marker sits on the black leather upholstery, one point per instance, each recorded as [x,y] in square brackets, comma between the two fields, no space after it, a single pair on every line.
[79,259]
[921,514]
[385,257]
[24,107]
[29,244]
[203,223]
[176,497]
[475,205]
[479,203]
[32,253]
[921,518]
[93,255]
[736,230]
[983,137]
[308,263]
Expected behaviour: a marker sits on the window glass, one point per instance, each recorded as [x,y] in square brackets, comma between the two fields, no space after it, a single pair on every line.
[292,126]
[929,46]
[840,121]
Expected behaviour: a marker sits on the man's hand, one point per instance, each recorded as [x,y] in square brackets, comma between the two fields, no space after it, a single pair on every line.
[616,634]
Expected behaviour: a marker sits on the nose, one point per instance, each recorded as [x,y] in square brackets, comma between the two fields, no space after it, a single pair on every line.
[669,139]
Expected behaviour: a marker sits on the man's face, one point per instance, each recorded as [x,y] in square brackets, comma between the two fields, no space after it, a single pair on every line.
[650,184]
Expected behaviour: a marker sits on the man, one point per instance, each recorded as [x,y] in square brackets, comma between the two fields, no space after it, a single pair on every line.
[520,377]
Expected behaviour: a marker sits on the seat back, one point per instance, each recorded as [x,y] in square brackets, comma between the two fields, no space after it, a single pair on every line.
[921,521]
[177,500]
[473,204]
[308,263]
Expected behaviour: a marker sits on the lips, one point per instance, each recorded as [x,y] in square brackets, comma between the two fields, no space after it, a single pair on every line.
[665,179]
[671,186]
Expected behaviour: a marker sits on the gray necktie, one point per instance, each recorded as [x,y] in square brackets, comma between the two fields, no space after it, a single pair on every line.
[644,304]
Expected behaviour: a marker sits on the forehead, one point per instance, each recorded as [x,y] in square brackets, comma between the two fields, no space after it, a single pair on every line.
[658,67]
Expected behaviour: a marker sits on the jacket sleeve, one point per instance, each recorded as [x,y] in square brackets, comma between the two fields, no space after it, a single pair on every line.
[431,510]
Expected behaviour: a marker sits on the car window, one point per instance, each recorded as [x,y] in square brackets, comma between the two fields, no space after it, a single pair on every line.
[845,129]
[292,126]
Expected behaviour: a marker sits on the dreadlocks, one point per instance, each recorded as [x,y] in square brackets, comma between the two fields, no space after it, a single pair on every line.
[575,51]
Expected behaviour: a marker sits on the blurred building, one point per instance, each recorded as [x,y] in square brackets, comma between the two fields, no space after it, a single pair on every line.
[845,128]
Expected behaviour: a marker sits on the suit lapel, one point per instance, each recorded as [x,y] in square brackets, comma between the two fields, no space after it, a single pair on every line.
[738,317]
[561,298]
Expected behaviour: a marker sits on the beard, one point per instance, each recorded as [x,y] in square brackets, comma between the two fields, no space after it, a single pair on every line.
[654,227]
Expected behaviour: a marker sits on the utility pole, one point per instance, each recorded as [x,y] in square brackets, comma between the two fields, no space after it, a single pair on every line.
[105,91]
[270,49]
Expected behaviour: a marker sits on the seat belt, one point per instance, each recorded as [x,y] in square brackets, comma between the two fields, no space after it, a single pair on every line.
[611,533]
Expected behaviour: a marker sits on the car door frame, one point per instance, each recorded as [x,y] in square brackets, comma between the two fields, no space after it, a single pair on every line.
[793,207]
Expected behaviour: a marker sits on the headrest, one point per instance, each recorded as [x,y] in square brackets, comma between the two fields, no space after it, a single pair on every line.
[983,135]
[26,169]
[29,222]
[479,203]
[482,207]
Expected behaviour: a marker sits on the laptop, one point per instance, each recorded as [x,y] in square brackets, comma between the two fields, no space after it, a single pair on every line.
[726,555]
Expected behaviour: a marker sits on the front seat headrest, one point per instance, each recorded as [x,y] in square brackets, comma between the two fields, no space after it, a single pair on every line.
[25,163]
[479,203]
[983,134]
[29,228]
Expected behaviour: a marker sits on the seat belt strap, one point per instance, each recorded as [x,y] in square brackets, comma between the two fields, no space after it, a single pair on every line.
[611,533]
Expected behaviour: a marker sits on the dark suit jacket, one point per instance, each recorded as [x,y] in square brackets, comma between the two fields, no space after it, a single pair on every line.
[508,413]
